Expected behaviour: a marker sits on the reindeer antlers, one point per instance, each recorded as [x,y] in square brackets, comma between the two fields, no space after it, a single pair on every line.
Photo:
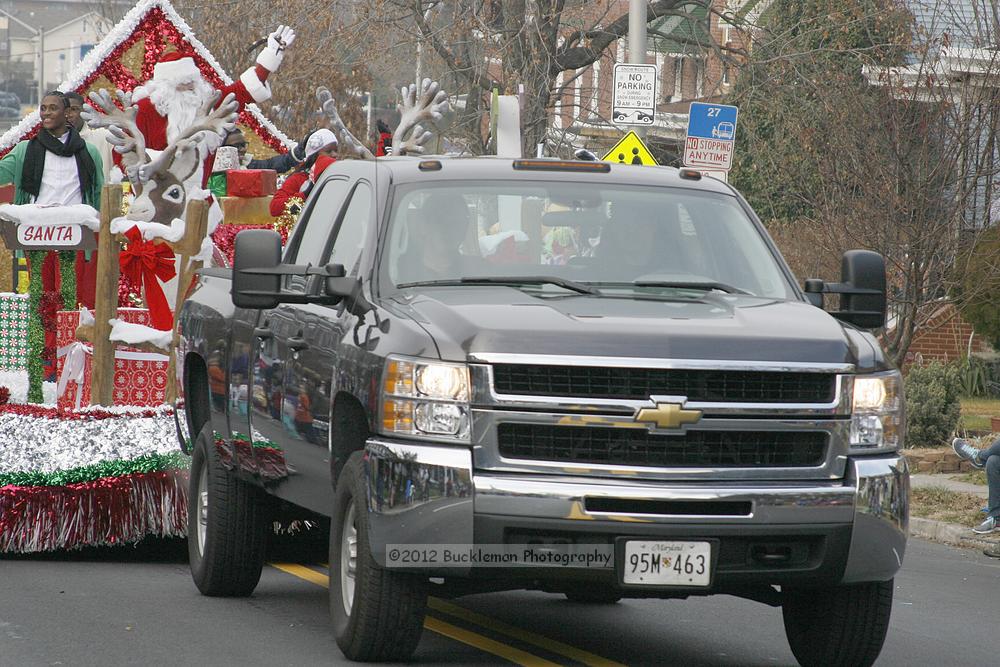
[125,134]
[213,121]
[429,105]
[344,135]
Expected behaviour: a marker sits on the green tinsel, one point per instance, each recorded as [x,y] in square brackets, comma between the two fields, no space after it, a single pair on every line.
[36,332]
[67,278]
[142,464]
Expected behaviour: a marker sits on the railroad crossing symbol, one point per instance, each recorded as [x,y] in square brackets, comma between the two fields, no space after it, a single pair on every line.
[630,150]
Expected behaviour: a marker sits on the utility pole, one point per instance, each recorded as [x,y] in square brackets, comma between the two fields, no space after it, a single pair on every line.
[637,41]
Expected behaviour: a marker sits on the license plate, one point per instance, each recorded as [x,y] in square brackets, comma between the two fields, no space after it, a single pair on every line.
[658,563]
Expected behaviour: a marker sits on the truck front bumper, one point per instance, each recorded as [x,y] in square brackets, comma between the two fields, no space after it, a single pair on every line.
[841,531]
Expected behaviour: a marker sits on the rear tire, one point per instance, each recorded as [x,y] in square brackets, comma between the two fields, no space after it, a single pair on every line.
[377,614]
[839,626]
[226,525]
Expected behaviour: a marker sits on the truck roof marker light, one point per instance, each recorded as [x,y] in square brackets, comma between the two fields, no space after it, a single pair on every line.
[429,165]
[561,165]
[690,174]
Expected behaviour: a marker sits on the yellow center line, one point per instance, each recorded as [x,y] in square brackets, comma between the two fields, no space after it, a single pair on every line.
[526,636]
[514,655]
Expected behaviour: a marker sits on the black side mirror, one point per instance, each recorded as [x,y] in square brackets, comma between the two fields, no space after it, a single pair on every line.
[336,285]
[256,249]
[862,289]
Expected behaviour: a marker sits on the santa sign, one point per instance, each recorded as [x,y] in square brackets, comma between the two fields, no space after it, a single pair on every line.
[45,236]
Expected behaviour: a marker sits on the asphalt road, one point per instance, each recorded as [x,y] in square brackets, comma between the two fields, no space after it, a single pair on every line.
[138,606]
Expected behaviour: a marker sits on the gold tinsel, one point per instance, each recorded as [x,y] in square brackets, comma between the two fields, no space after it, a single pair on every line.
[126,198]
[289,216]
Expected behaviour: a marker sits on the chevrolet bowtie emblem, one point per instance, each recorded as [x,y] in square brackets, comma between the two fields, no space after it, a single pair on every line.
[669,416]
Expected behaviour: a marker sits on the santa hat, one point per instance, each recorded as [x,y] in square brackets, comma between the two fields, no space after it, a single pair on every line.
[176,65]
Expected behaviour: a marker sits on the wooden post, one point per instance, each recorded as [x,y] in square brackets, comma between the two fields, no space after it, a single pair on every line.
[195,229]
[105,299]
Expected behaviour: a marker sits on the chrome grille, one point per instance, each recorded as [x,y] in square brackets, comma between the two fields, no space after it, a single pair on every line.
[639,447]
[700,385]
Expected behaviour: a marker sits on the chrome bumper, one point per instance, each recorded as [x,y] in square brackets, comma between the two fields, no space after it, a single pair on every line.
[428,494]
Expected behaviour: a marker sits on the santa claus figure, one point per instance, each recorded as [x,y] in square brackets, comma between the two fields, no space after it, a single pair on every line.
[169,101]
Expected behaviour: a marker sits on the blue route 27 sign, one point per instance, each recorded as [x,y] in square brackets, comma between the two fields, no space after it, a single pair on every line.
[711,136]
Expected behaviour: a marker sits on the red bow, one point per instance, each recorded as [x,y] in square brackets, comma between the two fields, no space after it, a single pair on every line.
[148,262]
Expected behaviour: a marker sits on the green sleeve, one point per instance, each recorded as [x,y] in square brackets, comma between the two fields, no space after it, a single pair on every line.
[98,176]
[8,167]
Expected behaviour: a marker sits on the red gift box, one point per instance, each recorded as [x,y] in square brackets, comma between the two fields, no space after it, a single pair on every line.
[251,182]
[140,377]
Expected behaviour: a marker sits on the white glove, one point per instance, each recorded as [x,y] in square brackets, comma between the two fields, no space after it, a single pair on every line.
[279,40]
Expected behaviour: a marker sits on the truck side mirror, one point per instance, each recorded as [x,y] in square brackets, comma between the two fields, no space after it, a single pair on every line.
[256,249]
[861,286]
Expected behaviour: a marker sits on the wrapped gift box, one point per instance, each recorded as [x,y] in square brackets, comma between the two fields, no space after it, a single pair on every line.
[251,182]
[140,377]
[247,210]
[13,332]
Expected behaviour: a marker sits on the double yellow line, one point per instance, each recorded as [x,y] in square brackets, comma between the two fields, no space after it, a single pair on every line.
[476,640]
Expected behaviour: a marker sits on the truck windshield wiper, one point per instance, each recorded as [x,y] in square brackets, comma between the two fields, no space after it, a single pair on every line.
[571,285]
[707,286]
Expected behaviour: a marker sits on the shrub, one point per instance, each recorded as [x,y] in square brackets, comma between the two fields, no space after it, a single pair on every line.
[932,404]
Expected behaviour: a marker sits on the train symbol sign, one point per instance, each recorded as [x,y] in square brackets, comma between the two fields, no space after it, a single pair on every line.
[711,136]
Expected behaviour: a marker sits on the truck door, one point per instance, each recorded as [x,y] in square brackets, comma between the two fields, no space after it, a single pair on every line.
[282,451]
[312,360]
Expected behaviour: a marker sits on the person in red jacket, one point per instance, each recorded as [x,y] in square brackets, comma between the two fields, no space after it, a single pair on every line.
[168,102]
[320,148]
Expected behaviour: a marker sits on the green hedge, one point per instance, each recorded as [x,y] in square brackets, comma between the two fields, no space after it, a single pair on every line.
[933,407]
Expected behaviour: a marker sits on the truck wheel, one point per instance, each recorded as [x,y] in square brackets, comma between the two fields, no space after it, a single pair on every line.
[226,525]
[594,595]
[839,625]
[377,614]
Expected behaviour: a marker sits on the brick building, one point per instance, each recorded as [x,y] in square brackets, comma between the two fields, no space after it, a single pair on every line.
[946,337]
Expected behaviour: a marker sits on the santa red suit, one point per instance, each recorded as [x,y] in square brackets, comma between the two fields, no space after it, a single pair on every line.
[168,102]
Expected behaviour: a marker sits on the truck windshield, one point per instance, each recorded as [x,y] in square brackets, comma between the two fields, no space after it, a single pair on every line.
[611,238]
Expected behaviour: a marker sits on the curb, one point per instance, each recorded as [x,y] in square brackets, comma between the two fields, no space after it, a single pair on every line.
[951,533]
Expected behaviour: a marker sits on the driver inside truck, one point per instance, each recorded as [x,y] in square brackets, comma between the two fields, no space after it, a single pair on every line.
[638,239]
[435,234]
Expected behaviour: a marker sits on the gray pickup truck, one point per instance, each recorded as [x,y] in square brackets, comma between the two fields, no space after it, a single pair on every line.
[491,353]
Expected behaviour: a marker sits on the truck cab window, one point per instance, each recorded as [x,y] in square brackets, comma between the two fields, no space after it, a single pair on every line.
[349,238]
[314,228]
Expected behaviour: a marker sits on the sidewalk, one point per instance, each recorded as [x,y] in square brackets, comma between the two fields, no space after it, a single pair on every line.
[943,531]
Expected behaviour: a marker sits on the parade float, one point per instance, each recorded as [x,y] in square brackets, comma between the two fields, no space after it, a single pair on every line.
[93,457]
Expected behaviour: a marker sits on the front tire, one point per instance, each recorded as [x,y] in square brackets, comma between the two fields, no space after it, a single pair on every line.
[838,626]
[226,525]
[377,614]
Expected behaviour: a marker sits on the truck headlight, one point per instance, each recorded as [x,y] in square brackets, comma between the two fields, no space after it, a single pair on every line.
[877,412]
[425,398]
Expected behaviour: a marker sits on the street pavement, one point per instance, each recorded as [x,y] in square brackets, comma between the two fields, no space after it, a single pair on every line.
[138,606]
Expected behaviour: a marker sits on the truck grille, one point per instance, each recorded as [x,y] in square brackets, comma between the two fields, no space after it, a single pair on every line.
[638,447]
[717,386]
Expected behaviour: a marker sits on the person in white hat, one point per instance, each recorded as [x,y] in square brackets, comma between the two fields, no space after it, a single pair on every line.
[169,101]
[320,149]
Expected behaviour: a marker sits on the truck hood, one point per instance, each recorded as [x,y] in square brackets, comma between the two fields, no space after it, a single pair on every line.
[467,320]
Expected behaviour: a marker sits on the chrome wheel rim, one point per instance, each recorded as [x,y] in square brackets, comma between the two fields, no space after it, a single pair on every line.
[348,559]
[202,509]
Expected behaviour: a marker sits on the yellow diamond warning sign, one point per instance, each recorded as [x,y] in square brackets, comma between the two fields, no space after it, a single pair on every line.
[630,150]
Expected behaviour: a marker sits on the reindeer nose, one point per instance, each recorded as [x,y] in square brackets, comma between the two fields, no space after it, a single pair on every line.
[141,210]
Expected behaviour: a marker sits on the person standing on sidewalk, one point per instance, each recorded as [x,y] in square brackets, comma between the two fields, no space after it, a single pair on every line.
[989,459]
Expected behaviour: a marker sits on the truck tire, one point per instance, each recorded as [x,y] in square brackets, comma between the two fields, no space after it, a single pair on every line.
[838,626]
[594,595]
[226,525]
[377,614]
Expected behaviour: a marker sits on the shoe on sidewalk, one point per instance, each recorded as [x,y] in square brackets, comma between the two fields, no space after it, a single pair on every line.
[967,452]
[988,526]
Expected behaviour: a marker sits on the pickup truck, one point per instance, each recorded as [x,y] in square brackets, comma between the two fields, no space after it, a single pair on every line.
[502,353]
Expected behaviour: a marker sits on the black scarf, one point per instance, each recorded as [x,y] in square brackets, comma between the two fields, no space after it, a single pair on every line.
[34,160]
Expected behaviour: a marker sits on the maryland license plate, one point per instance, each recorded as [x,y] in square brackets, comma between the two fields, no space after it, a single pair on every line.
[667,563]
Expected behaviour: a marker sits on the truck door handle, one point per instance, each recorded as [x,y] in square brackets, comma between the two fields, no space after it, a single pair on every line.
[297,343]
[263,332]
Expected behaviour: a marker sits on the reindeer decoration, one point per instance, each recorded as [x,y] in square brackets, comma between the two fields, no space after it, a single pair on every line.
[428,105]
[162,185]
